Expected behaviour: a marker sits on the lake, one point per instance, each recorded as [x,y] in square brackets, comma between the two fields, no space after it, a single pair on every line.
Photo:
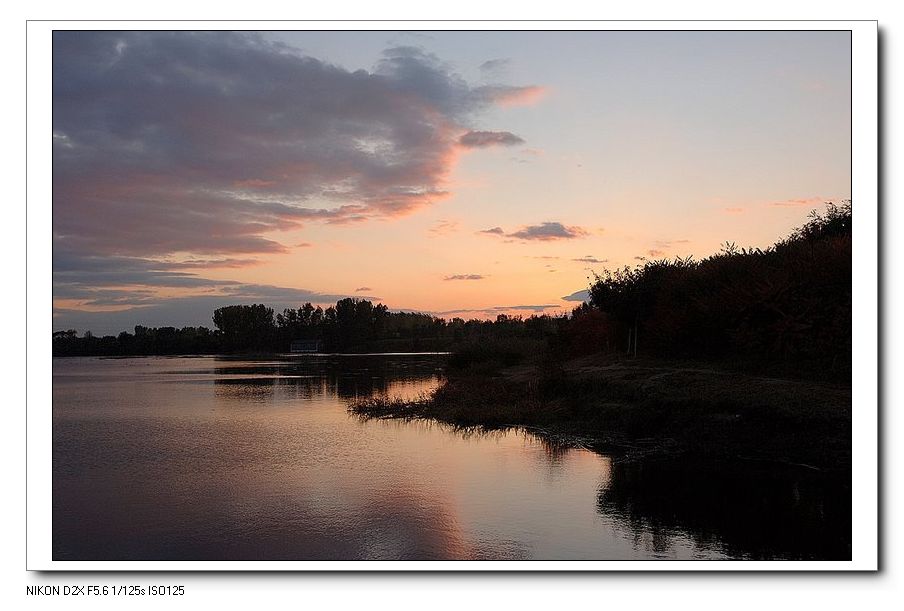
[220,458]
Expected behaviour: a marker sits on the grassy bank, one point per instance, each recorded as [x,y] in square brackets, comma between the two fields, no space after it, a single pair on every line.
[641,407]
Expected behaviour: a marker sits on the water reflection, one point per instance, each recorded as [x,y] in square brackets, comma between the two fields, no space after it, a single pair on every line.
[349,377]
[211,458]
[746,510]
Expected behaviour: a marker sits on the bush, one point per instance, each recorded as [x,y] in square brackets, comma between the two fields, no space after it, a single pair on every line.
[785,309]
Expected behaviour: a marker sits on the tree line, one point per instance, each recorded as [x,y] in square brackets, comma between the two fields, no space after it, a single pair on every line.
[785,309]
[351,325]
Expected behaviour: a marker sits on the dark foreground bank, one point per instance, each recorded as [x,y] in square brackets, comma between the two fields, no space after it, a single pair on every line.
[646,409]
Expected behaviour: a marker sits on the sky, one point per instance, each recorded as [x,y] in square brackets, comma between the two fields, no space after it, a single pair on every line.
[456,173]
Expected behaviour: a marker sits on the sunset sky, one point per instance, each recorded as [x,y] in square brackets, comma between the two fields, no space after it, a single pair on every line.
[455,173]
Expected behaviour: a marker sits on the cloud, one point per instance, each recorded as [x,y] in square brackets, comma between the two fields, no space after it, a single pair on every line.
[807,201]
[505,95]
[495,67]
[362,289]
[211,263]
[543,232]
[208,143]
[733,210]
[135,284]
[548,231]
[527,155]
[590,259]
[465,277]
[77,277]
[500,309]
[444,227]
[578,296]
[483,139]
[661,247]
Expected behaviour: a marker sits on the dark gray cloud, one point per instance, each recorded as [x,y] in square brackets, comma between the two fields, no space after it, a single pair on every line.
[484,139]
[578,296]
[208,143]
[362,289]
[548,231]
[465,277]
[590,259]
[543,232]
[495,67]
[80,277]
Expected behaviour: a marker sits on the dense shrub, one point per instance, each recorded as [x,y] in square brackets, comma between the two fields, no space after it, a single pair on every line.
[784,309]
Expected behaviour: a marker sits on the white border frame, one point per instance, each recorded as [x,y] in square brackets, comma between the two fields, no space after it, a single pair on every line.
[864,178]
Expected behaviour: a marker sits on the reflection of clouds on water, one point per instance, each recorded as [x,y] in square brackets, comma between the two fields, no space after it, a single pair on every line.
[403,525]
[234,459]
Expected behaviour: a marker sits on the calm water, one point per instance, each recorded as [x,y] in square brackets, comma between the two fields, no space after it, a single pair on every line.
[218,458]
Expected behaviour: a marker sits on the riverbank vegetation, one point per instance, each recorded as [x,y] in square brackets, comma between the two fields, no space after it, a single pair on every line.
[743,355]
[783,310]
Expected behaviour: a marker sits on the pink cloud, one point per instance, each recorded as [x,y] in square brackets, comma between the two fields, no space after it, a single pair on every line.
[153,155]
[808,201]
[506,96]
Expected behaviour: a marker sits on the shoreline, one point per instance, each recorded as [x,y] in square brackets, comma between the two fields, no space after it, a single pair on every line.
[644,409]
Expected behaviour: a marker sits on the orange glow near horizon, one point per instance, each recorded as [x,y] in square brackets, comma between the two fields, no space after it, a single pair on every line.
[433,179]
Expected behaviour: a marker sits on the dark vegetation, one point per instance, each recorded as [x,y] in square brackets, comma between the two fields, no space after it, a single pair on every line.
[750,511]
[743,355]
[352,325]
[785,310]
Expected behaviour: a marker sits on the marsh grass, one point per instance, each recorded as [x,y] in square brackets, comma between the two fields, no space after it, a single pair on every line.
[645,408]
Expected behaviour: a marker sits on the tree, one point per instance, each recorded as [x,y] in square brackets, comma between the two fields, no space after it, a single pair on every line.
[246,327]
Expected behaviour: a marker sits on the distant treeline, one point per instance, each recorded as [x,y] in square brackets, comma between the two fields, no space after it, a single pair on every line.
[783,310]
[352,325]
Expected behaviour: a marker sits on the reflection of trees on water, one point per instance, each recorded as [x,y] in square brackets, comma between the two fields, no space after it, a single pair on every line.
[268,389]
[744,510]
[346,378]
